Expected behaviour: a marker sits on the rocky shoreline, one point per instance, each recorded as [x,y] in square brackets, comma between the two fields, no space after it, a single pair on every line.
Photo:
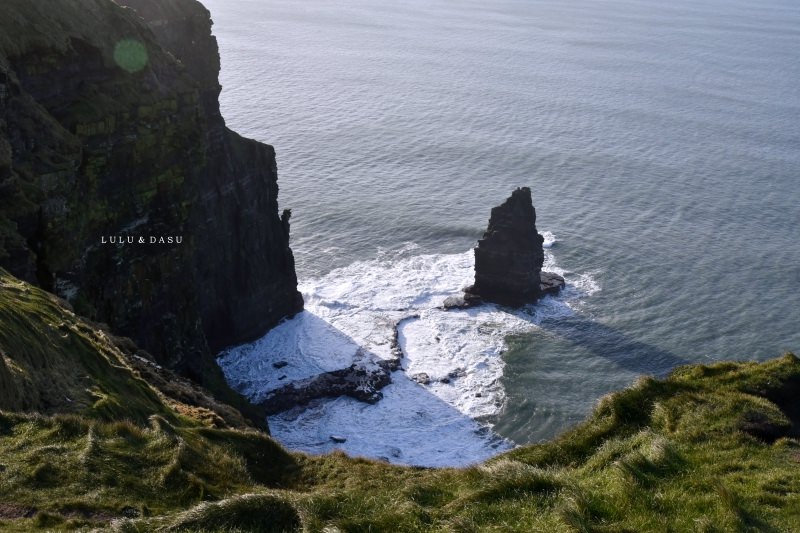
[362,380]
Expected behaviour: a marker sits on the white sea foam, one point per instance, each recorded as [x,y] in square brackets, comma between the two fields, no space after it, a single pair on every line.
[549,239]
[352,312]
[306,344]
[460,353]
[409,426]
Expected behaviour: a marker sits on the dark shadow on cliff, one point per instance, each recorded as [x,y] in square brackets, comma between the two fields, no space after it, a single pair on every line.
[614,345]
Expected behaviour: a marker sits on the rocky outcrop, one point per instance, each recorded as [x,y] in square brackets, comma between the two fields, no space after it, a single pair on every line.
[110,135]
[361,381]
[509,258]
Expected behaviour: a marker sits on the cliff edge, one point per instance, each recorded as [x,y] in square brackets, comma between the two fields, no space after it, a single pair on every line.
[111,139]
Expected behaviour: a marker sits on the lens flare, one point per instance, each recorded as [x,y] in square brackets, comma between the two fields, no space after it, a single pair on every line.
[130,55]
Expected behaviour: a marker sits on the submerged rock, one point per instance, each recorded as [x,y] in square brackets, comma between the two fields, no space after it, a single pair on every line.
[457,373]
[509,258]
[422,378]
[456,302]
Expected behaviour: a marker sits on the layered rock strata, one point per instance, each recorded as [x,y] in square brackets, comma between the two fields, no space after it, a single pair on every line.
[110,130]
[509,258]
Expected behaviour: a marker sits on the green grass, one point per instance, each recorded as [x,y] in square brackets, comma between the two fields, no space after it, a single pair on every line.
[710,448]
[681,463]
[51,361]
[69,466]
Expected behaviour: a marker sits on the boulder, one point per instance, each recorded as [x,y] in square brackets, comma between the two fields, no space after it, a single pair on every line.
[551,283]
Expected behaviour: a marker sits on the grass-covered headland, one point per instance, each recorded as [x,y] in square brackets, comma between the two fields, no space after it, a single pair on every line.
[93,436]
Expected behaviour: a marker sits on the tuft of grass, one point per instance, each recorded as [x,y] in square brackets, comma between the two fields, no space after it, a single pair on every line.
[506,479]
[247,512]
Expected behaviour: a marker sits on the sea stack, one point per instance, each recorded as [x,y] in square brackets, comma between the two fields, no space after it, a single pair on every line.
[509,257]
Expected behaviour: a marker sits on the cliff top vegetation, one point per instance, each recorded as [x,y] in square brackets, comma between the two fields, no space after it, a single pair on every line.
[709,448]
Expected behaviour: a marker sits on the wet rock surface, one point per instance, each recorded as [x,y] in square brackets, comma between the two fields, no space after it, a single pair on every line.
[551,283]
[362,380]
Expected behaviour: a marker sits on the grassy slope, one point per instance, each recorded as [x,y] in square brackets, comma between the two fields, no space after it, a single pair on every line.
[53,362]
[711,448]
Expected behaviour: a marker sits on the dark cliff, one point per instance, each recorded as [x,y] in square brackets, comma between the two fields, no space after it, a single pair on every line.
[110,126]
[510,256]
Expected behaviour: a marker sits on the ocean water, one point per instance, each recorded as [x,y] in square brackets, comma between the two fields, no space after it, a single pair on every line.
[662,145]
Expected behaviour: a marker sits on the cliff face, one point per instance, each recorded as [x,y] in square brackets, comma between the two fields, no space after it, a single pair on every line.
[110,128]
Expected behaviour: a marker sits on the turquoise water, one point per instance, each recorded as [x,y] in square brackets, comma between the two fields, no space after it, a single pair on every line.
[661,141]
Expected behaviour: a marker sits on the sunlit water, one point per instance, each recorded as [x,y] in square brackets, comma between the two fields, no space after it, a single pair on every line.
[661,141]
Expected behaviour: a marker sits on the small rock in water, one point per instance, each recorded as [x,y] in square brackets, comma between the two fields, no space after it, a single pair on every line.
[552,283]
[421,378]
[338,438]
[458,302]
[457,373]
[280,364]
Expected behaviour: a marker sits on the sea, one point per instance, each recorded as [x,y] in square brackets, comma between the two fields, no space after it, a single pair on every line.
[661,141]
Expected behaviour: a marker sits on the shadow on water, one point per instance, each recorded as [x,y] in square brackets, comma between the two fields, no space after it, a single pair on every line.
[613,345]
[554,379]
